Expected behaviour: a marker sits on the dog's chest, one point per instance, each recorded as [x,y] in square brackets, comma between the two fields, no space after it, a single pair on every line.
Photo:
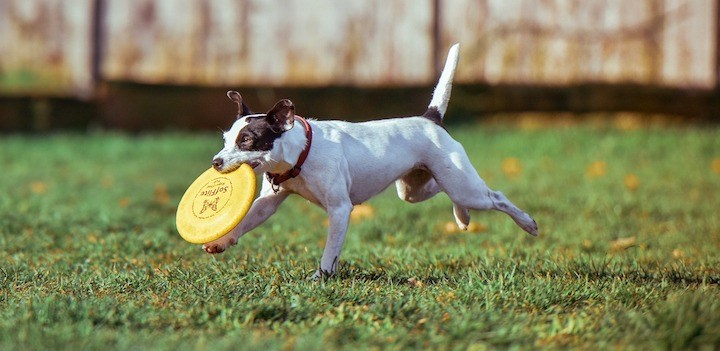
[299,187]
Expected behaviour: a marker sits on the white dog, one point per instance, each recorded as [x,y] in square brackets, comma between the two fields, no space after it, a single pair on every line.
[337,165]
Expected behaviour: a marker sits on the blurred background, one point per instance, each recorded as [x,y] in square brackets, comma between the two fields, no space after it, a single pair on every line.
[165,64]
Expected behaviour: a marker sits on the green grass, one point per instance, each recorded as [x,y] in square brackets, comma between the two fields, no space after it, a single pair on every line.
[90,259]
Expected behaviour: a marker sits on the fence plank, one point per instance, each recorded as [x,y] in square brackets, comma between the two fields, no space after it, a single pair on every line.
[45,47]
[689,50]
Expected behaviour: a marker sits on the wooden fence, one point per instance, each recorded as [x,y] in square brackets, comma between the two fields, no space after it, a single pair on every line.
[65,47]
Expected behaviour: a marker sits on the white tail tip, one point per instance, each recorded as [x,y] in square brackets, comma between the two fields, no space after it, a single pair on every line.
[441,95]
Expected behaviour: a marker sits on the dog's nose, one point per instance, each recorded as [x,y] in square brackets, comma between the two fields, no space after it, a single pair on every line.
[218,163]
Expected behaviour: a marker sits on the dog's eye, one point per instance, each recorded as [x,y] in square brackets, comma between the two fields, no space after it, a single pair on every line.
[245,140]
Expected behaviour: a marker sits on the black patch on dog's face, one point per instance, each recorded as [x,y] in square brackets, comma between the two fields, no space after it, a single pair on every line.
[257,135]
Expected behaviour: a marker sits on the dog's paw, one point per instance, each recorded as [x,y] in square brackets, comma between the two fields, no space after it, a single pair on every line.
[219,245]
[320,275]
[531,227]
[315,276]
[462,217]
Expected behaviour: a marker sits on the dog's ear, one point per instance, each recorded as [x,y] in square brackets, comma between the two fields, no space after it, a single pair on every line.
[235,97]
[282,115]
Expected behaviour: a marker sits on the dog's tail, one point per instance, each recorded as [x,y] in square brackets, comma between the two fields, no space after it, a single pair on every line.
[441,96]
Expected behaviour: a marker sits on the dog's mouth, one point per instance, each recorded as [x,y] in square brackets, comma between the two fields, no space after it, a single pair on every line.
[232,168]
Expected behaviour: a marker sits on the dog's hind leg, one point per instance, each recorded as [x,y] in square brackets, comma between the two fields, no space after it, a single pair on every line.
[457,177]
[484,198]
[419,185]
[523,220]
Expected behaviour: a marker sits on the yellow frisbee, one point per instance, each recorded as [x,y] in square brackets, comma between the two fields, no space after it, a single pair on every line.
[215,203]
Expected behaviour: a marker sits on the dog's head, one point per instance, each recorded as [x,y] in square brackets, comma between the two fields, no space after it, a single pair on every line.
[254,138]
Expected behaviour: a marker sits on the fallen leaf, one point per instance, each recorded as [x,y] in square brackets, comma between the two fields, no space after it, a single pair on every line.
[445,297]
[512,167]
[596,169]
[678,254]
[632,182]
[475,227]
[621,244]
[361,212]
[124,202]
[715,166]
[450,228]
[415,283]
[38,187]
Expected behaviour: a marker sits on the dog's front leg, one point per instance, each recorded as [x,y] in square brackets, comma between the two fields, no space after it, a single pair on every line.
[262,208]
[339,216]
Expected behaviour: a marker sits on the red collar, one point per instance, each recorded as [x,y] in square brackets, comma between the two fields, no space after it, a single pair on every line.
[276,179]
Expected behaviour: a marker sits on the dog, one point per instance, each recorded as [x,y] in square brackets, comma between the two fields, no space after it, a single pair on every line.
[338,164]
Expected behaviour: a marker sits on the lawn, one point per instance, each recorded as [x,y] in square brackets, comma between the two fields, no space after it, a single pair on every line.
[627,256]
